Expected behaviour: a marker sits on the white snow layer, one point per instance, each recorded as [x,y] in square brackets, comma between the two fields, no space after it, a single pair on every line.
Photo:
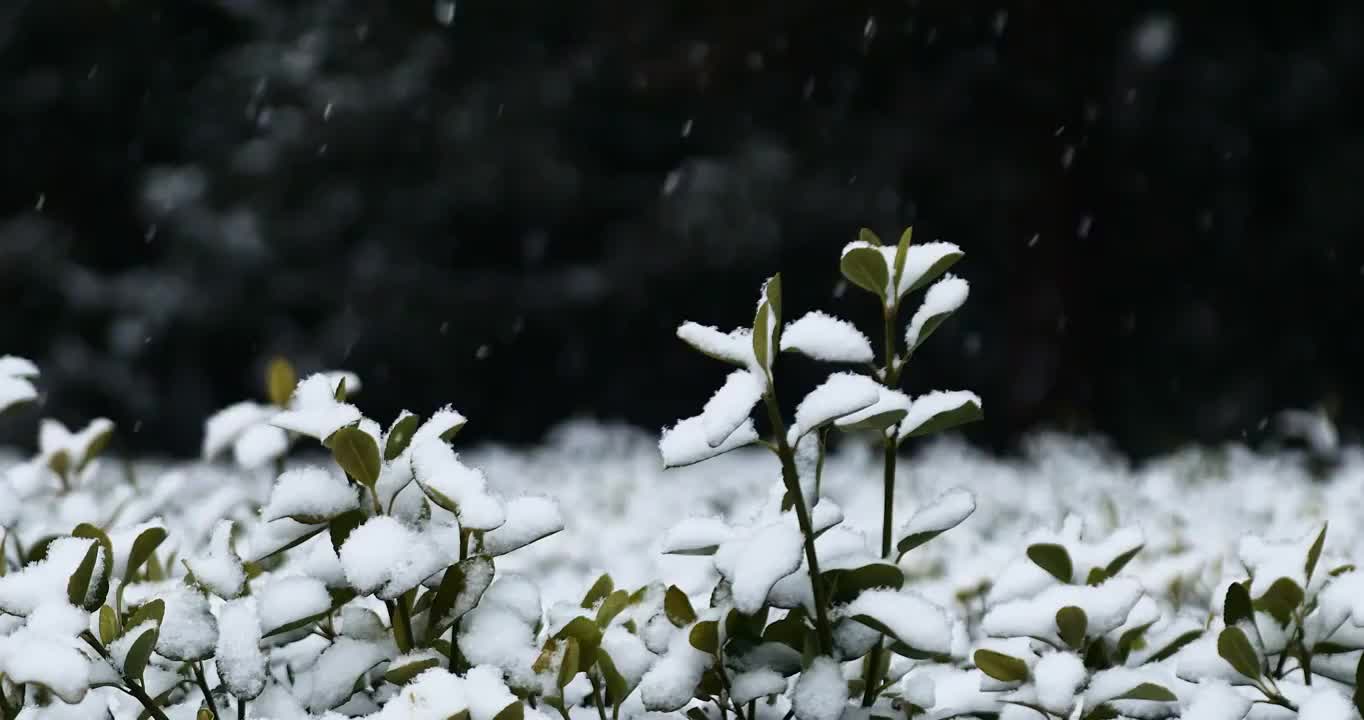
[735,346]
[439,471]
[314,410]
[930,405]
[685,443]
[730,406]
[839,395]
[944,297]
[529,519]
[217,567]
[310,494]
[821,693]
[240,663]
[827,338]
[386,557]
[944,513]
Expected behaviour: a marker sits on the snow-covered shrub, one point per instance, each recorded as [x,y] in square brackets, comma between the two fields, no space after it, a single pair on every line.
[389,581]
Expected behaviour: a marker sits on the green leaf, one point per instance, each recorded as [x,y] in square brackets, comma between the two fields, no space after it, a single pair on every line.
[1120,562]
[1359,686]
[339,597]
[588,637]
[1149,691]
[967,412]
[204,714]
[1280,600]
[1053,558]
[342,526]
[96,446]
[154,611]
[705,636]
[514,711]
[616,686]
[78,585]
[141,651]
[869,236]
[1071,625]
[599,590]
[1314,553]
[1175,646]
[146,543]
[400,435]
[677,607]
[761,336]
[901,252]
[845,585]
[38,550]
[930,326]
[108,624]
[401,674]
[1097,576]
[1236,607]
[280,380]
[913,540]
[865,267]
[1233,646]
[454,585]
[773,294]
[611,607]
[1001,667]
[341,390]
[569,667]
[1102,712]
[878,422]
[357,453]
[1132,639]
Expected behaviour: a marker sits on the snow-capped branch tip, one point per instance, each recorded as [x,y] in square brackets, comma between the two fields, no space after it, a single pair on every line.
[16,374]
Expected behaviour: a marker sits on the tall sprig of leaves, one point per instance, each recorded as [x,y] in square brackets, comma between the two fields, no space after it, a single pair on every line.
[849,401]
[891,273]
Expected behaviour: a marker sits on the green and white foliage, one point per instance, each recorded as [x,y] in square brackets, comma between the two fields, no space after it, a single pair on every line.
[390,576]
[350,590]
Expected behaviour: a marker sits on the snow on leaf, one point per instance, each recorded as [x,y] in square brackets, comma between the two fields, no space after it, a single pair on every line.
[925,262]
[529,519]
[830,339]
[907,617]
[455,486]
[310,495]
[685,443]
[734,347]
[939,410]
[285,601]
[770,554]
[841,394]
[821,693]
[944,298]
[217,567]
[944,513]
[240,663]
[383,556]
[223,428]
[730,406]
[696,536]
[314,410]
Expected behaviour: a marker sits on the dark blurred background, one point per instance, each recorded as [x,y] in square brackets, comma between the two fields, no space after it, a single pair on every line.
[511,204]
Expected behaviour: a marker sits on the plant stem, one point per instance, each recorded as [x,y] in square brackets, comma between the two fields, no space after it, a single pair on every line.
[241,709]
[791,478]
[596,697]
[890,378]
[203,686]
[132,687]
